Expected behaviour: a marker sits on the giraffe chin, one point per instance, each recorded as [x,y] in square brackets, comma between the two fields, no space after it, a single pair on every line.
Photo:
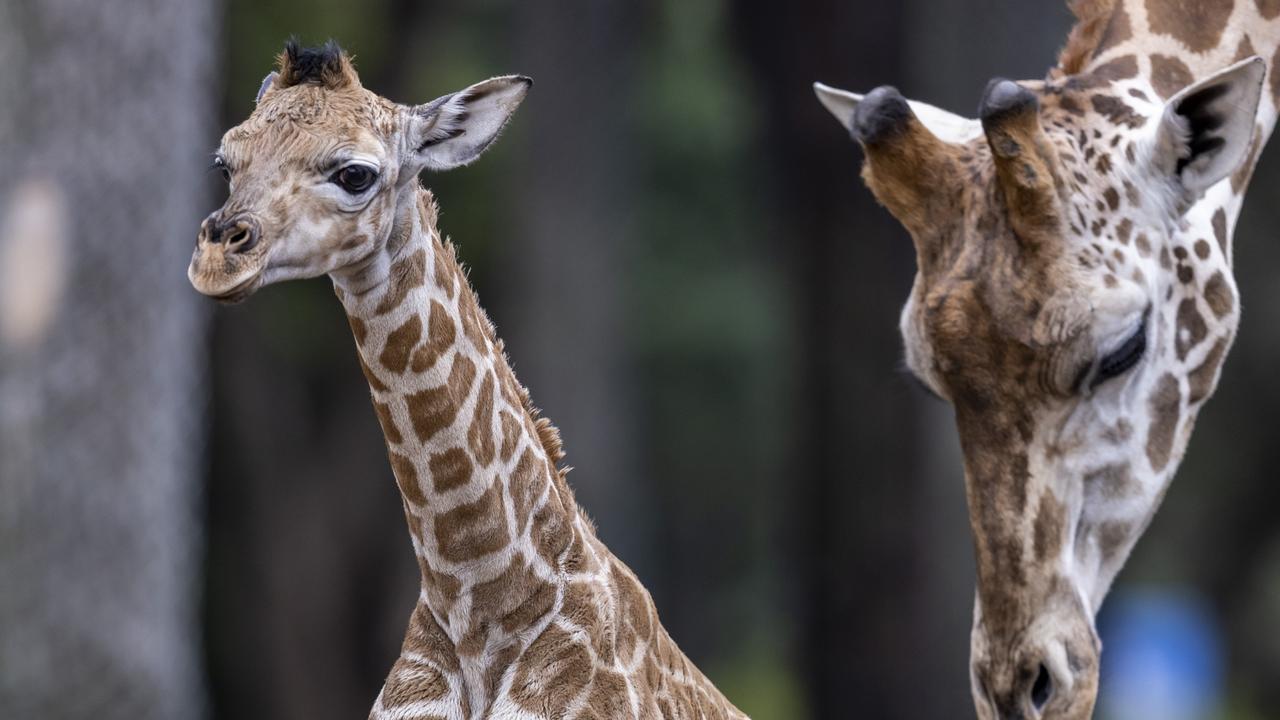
[237,293]
[240,293]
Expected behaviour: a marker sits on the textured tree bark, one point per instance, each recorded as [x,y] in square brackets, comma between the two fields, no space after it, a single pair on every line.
[103,130]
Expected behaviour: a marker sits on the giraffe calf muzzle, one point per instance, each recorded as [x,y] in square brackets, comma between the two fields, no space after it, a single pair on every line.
[225,264]
[237,235]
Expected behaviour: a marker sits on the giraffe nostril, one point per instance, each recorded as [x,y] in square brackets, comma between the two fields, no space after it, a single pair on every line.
[240,236]
[1042,689]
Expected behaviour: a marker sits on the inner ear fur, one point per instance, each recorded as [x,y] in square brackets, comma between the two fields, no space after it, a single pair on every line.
[455,129]
[1207,128]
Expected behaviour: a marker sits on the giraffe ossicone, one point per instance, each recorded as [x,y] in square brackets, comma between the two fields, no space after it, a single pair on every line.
[1074,302]
[523,613]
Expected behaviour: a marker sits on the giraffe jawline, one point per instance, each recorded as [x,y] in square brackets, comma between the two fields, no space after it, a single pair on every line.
[240,292]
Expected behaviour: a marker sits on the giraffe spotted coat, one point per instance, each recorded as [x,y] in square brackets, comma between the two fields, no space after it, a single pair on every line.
[523,614]
[1074,302]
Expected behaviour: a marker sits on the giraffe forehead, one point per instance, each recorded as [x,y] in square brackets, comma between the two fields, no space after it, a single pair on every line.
[307,118]
[290,145]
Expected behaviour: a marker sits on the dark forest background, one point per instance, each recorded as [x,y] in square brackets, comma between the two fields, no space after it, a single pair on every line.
[673,240]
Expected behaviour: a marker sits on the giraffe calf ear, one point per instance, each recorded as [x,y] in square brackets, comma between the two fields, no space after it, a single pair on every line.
[1207,128]
[457,128]
[267,83]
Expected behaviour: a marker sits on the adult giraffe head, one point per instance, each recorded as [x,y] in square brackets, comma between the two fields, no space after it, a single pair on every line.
[319,170]
[1074,302]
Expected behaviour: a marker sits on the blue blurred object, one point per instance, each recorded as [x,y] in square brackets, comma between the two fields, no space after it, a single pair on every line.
[1161,657]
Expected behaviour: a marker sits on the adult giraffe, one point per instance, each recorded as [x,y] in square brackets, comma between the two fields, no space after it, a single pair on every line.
[1074,301]
[523,613]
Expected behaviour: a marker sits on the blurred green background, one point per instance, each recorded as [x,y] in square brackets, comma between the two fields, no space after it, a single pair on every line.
[673,241]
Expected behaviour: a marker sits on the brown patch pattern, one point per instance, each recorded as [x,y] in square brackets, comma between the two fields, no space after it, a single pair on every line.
[1218,295]
[472,530]
[1198,25]
[525,488]
[1117,111]
[480,434]
[554,670]
[1169,75]
[400,343]
[444,269]
[434,409]
[1049,523]
[1121,68]
[1201,380]
[388,423]
[510,435]
[407,477]
[1220,229]
[1191,328]
[441,334]
[407,274]
[1245,48]
[515,599]
[449,469]
[1165,406]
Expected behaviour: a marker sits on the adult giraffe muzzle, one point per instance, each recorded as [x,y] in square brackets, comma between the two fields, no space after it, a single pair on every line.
[1074,302]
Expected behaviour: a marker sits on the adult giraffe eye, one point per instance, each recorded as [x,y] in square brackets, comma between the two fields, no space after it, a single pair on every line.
[355,179]
[1124,357]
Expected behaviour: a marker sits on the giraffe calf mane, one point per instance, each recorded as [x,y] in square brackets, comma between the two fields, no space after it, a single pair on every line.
[1092,17]
[548,433]
[326,65]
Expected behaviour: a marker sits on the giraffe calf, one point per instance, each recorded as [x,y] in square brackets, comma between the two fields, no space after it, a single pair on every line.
[523,613]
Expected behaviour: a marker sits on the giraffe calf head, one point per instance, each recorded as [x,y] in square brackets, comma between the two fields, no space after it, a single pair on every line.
[1073,301]
[322,169]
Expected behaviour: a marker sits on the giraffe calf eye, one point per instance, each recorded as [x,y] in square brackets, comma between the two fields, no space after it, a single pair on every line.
[220,164]
[355,179]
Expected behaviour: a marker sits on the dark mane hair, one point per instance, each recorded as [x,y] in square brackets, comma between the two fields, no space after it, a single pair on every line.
[326,65]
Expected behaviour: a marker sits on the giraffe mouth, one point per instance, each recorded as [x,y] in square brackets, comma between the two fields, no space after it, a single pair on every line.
[240,292]
[228,277]
[224,287]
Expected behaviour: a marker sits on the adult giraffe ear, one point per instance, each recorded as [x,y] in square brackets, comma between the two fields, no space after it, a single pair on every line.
[268,83]
[910,170]
[947,126]
[455,129]
[1207,127]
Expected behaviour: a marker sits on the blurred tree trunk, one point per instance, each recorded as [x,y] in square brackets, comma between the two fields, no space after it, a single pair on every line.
[104,134]
[561,310]
[860,594]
